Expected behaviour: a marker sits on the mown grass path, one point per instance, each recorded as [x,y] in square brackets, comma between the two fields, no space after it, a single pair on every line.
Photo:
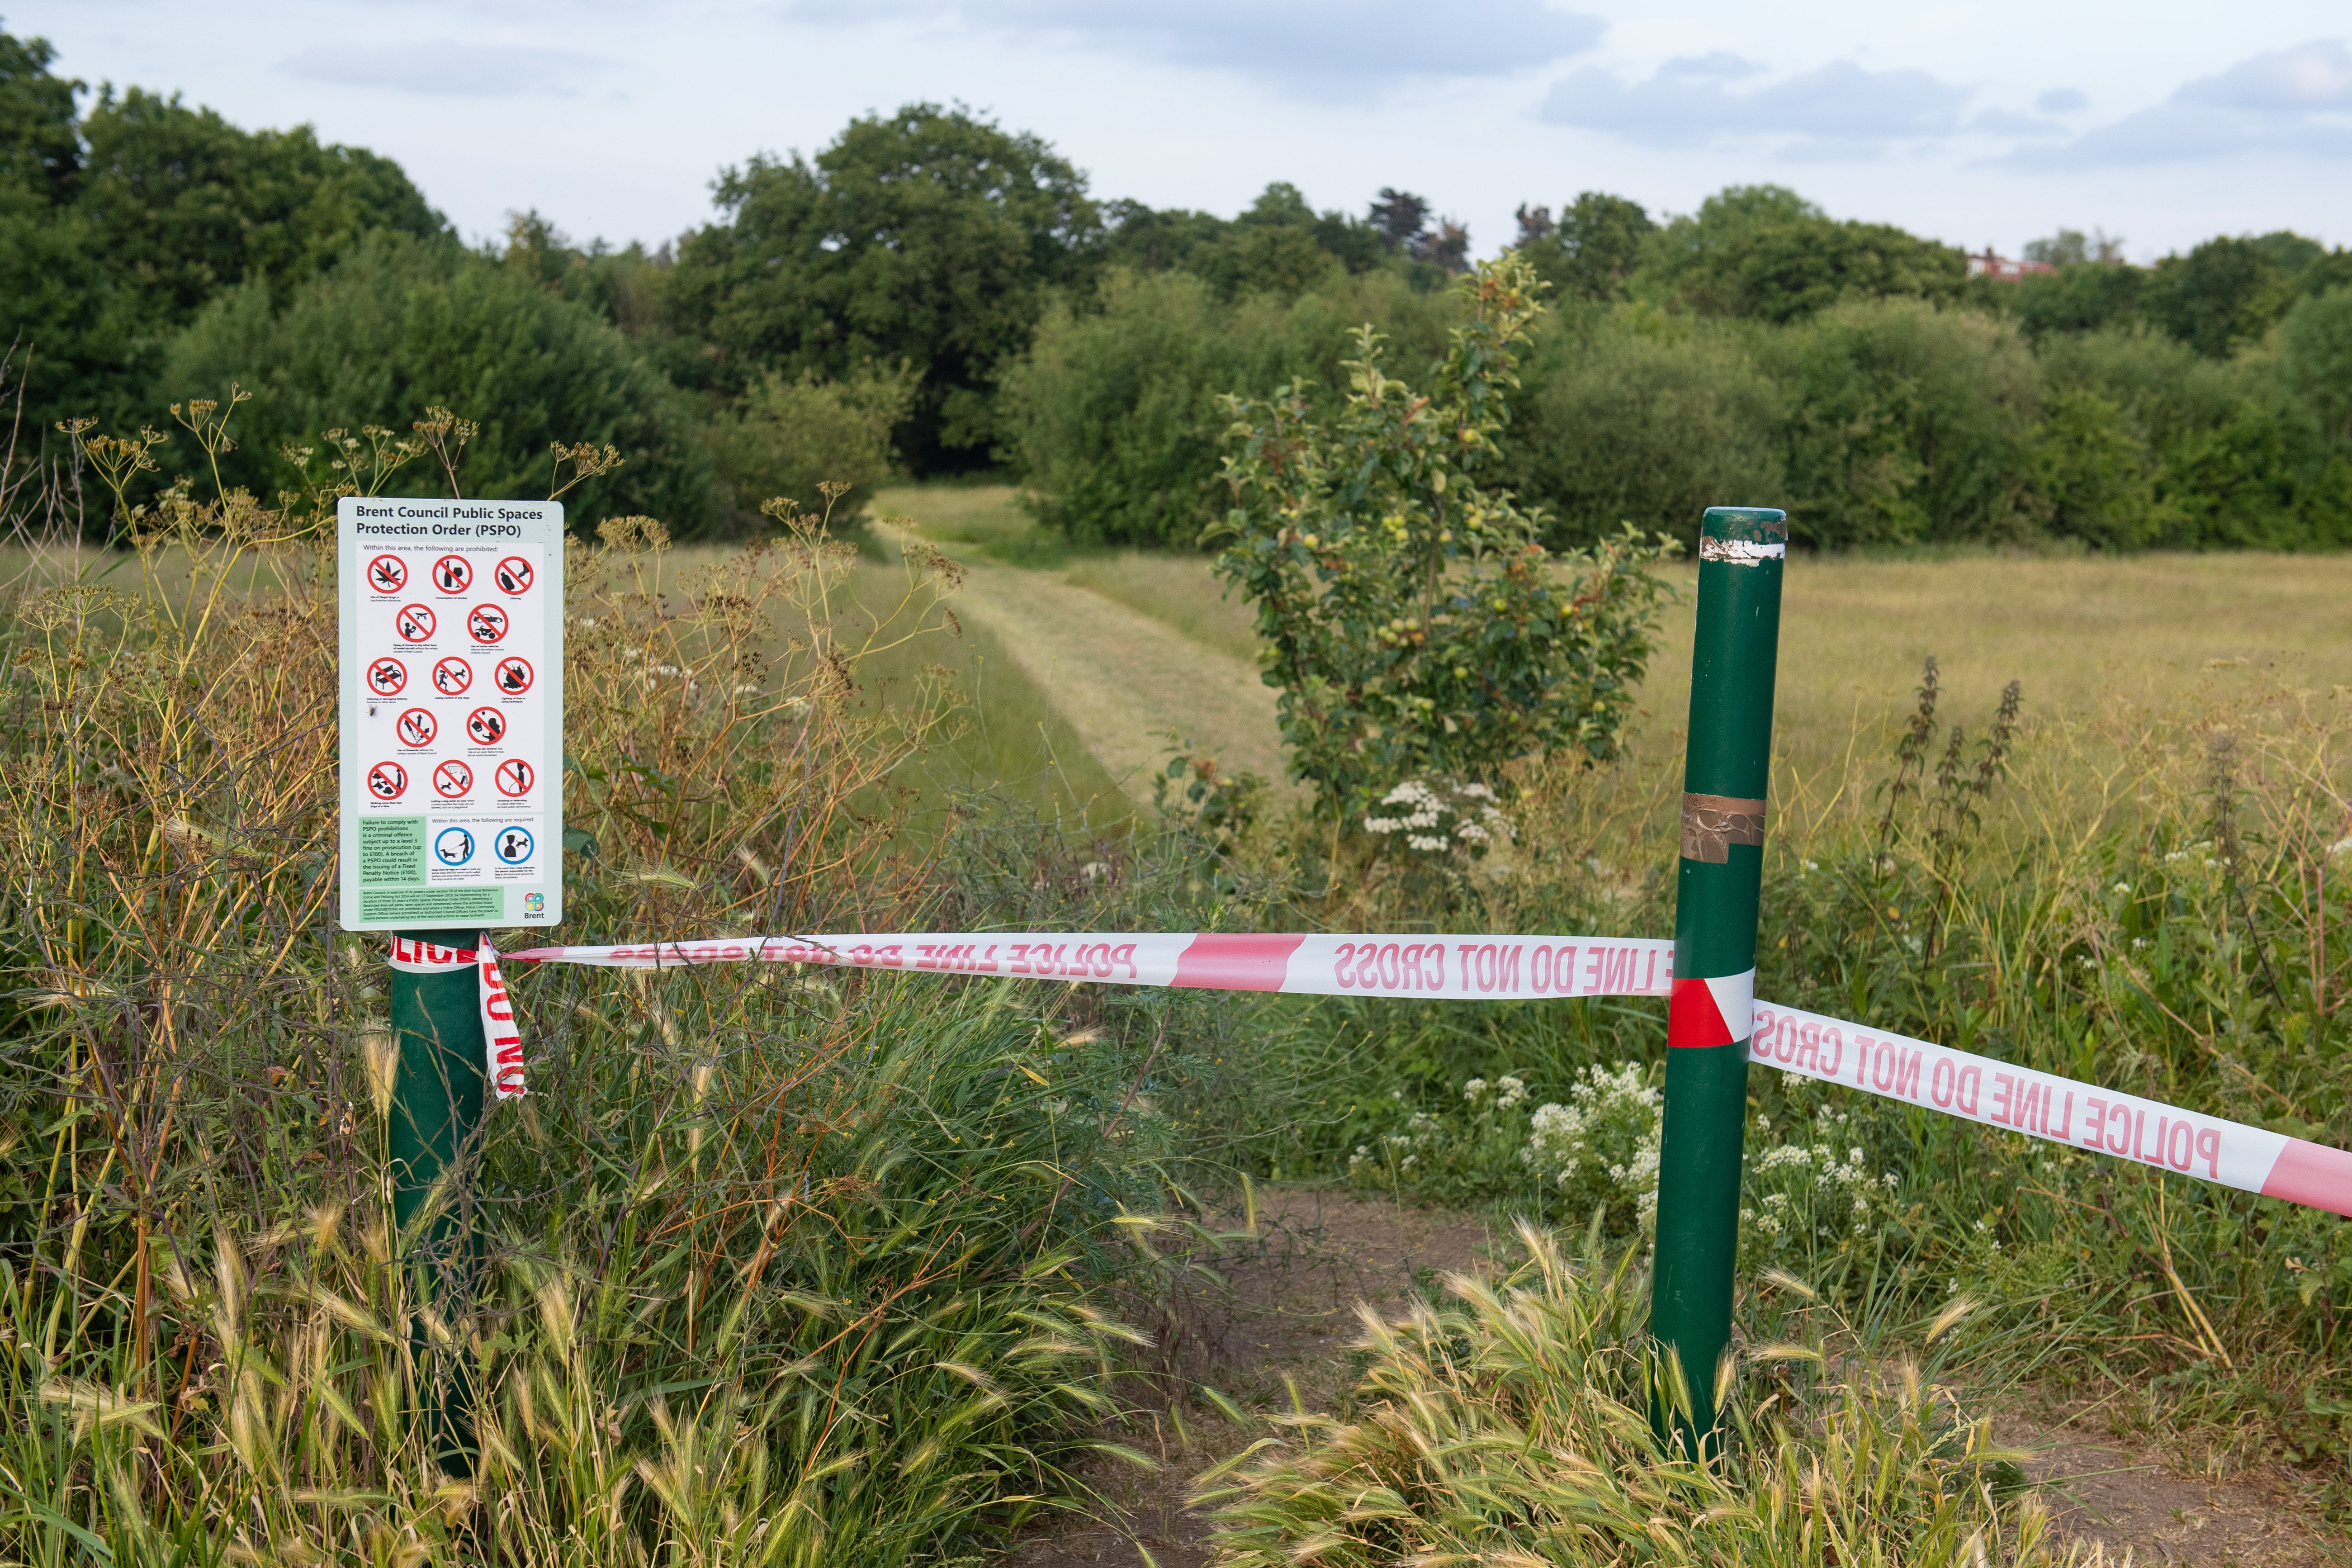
[1122,680]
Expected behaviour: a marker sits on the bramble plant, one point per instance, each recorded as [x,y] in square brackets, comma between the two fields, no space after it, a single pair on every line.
[1416,624]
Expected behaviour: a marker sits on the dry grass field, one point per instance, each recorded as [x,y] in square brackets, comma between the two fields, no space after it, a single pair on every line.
[2084,635]
[2081,633]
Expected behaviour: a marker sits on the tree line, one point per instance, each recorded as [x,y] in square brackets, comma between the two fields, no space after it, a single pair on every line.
[931,293]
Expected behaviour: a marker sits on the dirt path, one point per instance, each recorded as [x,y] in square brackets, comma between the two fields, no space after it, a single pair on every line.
[1282,1332]
[1121,681]
[2104,1489]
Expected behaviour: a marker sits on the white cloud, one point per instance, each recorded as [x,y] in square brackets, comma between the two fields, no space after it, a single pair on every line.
[1840,111]
[1321,46]
[442,68]
[2063,101]
[1716,65]
[2002,122]
[2294,101]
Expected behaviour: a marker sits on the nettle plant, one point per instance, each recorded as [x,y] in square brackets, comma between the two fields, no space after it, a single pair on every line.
[1417,626]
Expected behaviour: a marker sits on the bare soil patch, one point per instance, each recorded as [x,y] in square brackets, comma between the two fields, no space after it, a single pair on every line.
[2108,1489]
[1279,1335]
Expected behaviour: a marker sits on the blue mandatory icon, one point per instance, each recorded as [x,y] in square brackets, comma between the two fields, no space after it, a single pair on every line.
[452,846]
[514,845]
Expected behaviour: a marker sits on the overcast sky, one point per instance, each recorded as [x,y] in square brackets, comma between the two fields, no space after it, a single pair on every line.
[1989,121]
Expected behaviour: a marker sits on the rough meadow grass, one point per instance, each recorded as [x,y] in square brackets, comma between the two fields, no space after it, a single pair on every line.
[775,1267]
[808,1267]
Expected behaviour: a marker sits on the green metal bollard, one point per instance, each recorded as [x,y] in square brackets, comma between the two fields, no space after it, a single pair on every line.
[436,1114]
[1741,552]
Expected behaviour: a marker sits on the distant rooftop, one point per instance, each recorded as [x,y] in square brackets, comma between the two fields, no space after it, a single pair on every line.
[2001,269]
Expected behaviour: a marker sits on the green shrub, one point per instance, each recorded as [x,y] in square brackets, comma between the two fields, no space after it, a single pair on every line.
[1113,414]
[400,325]
[1637,416]
[1904,424]
[786,437]
[1416,626]
[2092,469]
[2236,452]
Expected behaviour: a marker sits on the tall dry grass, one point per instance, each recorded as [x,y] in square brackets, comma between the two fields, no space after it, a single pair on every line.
[1507,1425]
[780,1267]
[2155,896]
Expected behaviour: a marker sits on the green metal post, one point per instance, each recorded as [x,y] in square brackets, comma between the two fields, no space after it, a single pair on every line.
[436,1114]
[1711,1014]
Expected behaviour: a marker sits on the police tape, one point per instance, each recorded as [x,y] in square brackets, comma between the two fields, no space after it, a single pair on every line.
[2055,1110]
[501,1036]
[1442,967]
[1485,968]
[1437,967]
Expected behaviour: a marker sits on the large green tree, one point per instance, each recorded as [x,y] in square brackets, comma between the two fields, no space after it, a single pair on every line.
[1279,245]
[194,205]
[40,149]
[1591,252]
[931,238]
[1765,253]
[2078,297]
[2225,293]
[116,226]
[405,323]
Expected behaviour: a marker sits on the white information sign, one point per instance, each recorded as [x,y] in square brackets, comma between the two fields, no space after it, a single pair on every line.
[452,709]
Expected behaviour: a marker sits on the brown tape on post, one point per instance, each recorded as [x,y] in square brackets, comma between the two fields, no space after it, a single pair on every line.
[1712,824]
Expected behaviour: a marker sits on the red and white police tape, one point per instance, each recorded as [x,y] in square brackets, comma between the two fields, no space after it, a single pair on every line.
[1712,1012]
[501,1036]
[2059,1110]
[1460,968]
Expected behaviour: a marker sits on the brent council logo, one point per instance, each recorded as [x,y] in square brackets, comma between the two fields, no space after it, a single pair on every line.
[533,905]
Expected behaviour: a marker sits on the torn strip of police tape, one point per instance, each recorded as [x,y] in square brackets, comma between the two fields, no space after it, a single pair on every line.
[1485,968]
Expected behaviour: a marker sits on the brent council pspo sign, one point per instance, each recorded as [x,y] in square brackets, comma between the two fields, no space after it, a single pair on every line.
[452,707]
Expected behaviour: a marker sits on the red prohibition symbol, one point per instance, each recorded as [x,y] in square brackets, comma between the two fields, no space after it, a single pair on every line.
[512,777]
[385,677]
[452,676]
[417,727]
[487,726]
[486,623]
[388,574]
[414,623]
[512,674]
[452,779]
[387,781]
[513,575]
[453,575]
